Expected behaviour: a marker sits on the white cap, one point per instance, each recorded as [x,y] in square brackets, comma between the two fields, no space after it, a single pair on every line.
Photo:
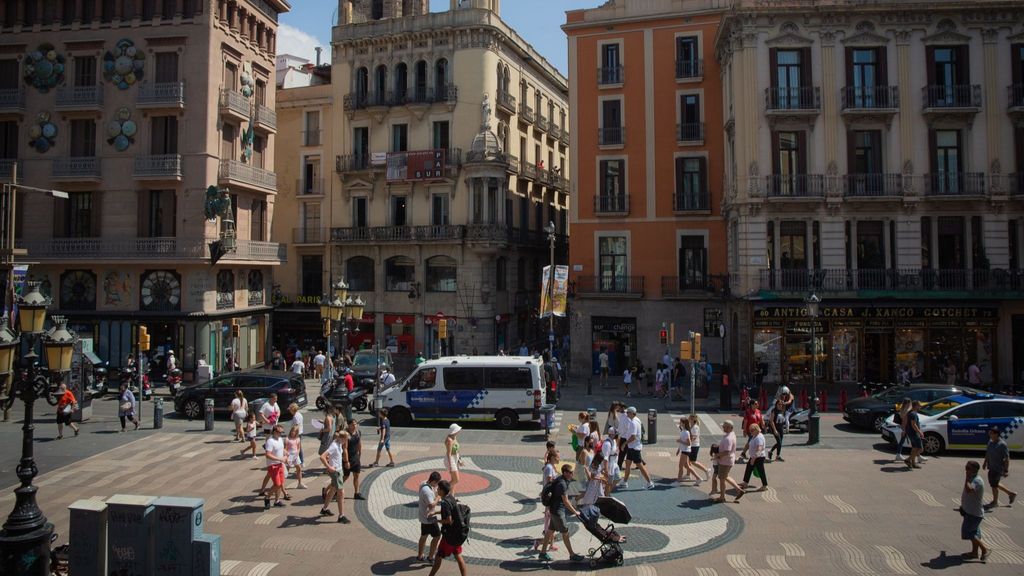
[454,429]
[612,431]
[170,351]
[631,410]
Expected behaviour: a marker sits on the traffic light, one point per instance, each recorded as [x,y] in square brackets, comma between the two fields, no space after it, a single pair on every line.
[144,341]
[684,350]
[234,329]
[663,336]
[442,329]
[327,328]
[696,345]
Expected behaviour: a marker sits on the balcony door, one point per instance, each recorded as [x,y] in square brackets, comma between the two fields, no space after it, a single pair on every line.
[789,76]
[793,254]
[361,147]
[359,212]
[790,151]
[612,254]
[948,76]
[947,162]
[164,135]
[611,121]
[866,78]
[870,254]
[693,263]
[865,163]
[399,211]
[166,67]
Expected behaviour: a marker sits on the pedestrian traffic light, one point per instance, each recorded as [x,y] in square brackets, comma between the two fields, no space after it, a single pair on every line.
[234,329]
[684,350]
[442,329]
[663,336]
[327,327]
[144,341]
[696,345]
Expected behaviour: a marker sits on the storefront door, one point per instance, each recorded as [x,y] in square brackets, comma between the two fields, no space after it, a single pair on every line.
[878,351]
[617,338]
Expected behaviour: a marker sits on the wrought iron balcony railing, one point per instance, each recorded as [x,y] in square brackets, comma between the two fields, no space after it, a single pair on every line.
[793,98]
[692,68]
[610,75]
[944,96]
[158,94]
[872,185]
[870,97]
[610,285]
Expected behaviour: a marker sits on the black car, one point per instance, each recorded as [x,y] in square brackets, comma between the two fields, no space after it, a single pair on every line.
[191,400]
[872,411]
[364,369]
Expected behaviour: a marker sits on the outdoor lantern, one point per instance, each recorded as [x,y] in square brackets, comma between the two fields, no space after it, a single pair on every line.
[812,305]
[8,342]
[341,290]
[357,309]
[337,310]
[58,345]
[349,303]
[32,310]
[325,308]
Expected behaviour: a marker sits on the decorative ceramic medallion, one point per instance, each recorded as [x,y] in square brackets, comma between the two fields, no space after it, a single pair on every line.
[121,131]
[78,290]
[248,83]
[43,133]
[44,68]
[125,65]
[160,291]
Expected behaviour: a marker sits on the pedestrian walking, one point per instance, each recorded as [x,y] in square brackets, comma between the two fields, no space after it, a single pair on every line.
[756,461]
[452,461]
[641,378]
[239,410]
[752,415]
[602,360]
[335,460]
[973,512]
[249,428]
[695,446]
[914,434]
[997,462]
[623,423]
[319,361]
[452,537]
[293,447]
[580,432]
[273,449]
[327,429]
[547,475]
[384,442]
[355,449]
[428,500]
[584,458]
[298,366]
[683,452]
[557,498]
[610,454]
[66,406]
[627,379]
[902,421]
[298,419]
[270,413]
[612,419]
[126,407]
[778,423]
[726,458]
[634,450]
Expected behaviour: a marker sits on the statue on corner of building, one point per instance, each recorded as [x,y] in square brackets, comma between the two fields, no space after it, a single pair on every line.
[485,113]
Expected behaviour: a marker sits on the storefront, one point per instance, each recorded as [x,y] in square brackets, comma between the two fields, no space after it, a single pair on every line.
[400,333]
[856,343]
[616,337]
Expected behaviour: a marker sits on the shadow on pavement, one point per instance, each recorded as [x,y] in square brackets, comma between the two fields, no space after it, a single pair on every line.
[409,564]
[943,561]
[534,565]
[293,521]
[697,504]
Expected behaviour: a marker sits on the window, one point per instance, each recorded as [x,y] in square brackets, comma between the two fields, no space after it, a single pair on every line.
[312,275]
[312,133]
[85,71]
[78,222]
[691,128]
[311,181]
[612,263]
[148,9]
[399,211]
[88,11]
[258,221]
[420,80]
[611,122]
[166,67]
[790,79]
[227,145]
[230,75]
[401,82]
[946,162]
[1017,74]
[106,10]
[789,178]
[866,173]
[359,273]
[380,85]
[441,274]
[359,211]
[510,378]
[399,274]
[1005,409]
[441,135]
[10,75]
[688,63]
[793,245]
[693,263]
[948,77]
[399,137]
[971,411]
[311,216]
[67,13]
[83,138]
[611,66]
[463,378]
[362,87]
[613,186]
[157,209]
[870,246]
[691,184]
[439,210]
[866,78]
[164,137]
[361,147]
[501,274]
[377,9]
[9,139]
[441,79]
[258,147]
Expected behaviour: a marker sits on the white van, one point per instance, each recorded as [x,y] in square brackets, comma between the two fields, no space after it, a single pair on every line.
[502,388]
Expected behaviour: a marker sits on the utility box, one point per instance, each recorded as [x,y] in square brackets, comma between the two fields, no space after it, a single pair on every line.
[88,531]
[178,522]
[206,555]
[129,536]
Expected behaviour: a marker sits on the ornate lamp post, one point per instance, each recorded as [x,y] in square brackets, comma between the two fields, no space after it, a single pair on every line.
[550,229]
[814,420]
[25,539]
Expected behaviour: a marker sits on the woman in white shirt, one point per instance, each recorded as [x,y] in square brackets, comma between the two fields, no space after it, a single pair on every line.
[548,475]
[610,454]
[239,409]
[756,449]
[683,451]
[695,446]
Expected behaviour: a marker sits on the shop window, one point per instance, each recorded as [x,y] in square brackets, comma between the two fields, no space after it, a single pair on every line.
[442,274]
[800,356]
[910,354]
[978,346]
[845,355]
[946,350]
[359,272]
[225,289]
[399,274]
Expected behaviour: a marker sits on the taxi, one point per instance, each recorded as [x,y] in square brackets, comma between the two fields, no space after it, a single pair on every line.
[962,422]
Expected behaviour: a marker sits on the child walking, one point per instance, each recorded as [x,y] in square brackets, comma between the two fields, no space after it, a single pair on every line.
[249,428]
[683,451]
[293,447]
[384,431]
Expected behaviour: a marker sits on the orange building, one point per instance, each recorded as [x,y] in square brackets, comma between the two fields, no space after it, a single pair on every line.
[648,242]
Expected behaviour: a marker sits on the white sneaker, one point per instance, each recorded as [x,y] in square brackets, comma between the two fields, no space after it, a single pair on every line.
[624,485]
[696,483]
[650,485]
[922,458]
[707,475]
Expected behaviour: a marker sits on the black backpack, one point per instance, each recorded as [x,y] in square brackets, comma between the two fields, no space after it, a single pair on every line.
[458,530]
[545,495]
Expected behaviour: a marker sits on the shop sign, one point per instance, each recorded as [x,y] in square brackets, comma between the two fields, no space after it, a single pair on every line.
[878,324]
[894,313]
[599,324]
[296,300]
[804,327]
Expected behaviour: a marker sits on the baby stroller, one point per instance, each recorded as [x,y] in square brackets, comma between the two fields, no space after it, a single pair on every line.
[610,550]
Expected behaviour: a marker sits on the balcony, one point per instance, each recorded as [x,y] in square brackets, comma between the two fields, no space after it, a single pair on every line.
[506,102]
[266,118]
[698,202]
[80,98]
[77,168]
[795,186]
[610,76]
[553,130]
[404,234]
[310,186]
[1015,101]
[311,137]
[870,101]
[310,235]
[611,286]
[876,282]
[7,168]
[526,114]
[611,204]
[873,185]
[690,133]
[955,184]
[233,104]
[541,124]
[694,285]
[513,164]
[689,69]
[951,99]
[350,163]
[611,136]
[149,249]
[162,95]
[528,170]
[416,96]
[802,103]
[233,172]
[158,167]
[12,100]
[563,136]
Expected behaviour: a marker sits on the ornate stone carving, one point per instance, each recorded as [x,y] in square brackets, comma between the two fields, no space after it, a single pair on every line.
[828,37]
[903,37]
[990,35]
[789,35]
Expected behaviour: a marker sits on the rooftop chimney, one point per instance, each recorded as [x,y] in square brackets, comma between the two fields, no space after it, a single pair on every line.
[318,50]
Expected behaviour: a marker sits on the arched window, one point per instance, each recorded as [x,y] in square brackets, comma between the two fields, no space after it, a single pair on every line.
[421,81]
[377,10]
[225,289]
[441,274]
[401,82]
[501,77]
[380,84]
[362,84]
[441,78]
[399,273]
[359,274]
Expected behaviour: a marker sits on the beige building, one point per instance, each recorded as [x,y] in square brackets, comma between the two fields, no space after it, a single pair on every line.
[135,108]
[872,158]
[444,159]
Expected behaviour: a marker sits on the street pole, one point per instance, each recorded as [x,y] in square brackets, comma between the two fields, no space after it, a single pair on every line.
[551,292]
[813,421]
[693,377]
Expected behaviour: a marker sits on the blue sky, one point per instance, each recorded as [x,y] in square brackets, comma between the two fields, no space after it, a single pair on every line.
[309,25]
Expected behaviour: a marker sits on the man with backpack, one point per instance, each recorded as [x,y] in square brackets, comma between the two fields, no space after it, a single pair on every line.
[555,497]
[454,528]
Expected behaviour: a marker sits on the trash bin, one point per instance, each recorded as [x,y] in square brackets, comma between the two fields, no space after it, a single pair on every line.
[547,417]
[592,413]
[208,415]
[652,426]
[813,427]
[158,414]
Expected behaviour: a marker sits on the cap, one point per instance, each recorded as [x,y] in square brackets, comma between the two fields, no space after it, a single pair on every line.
[454,429]
[170,351]
[612,431]
[631,410]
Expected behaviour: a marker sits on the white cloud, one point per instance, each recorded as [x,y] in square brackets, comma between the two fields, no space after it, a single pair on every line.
[291,40]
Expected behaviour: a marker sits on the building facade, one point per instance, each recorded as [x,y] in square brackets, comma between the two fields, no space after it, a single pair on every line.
[135,108]
[647,250]
[871,158]
[449,139]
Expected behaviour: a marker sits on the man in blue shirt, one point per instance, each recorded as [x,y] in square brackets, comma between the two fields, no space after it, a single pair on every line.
[997,462]
[972,511]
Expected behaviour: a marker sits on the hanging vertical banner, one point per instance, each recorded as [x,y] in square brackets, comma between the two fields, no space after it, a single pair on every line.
[558,295]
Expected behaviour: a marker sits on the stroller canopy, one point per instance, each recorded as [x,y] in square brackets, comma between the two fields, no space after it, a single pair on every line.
[613,509]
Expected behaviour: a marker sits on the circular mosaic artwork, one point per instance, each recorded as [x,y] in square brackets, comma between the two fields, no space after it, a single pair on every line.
[125,65]
[43,134]
[44,68]
[669,522]
[121,132]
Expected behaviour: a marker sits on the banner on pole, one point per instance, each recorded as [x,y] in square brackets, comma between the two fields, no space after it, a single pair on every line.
[556,296]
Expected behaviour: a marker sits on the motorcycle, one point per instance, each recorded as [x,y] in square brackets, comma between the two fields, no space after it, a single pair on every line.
[99,386]
[129,376]
[173,379]
[333,390]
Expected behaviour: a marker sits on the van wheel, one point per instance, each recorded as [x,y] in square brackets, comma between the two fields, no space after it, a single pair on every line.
[507,419]
[933,444]
[400,417]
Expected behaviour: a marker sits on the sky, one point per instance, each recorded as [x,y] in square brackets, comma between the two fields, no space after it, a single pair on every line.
[308,25]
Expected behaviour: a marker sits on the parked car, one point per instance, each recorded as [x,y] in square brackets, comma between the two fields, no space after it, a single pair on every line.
[871,412]
[962,422]
[364,370]
[190,401]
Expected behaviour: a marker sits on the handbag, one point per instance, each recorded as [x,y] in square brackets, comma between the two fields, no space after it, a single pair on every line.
[68,409]
[126,407]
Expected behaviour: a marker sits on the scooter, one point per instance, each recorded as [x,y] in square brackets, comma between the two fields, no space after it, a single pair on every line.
[129,376]
[173,379]
[99,386]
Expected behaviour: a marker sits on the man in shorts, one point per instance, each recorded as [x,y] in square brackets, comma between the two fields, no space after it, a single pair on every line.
[602,360]
[355,449]
[449,509]
[972,511]
[634,450]
[428,500]
[335,459]
[557,507]
[913,426]
[997,462]
[274,451]
[319,361]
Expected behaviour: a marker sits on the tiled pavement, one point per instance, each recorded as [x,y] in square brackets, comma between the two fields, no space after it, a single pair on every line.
[827,512]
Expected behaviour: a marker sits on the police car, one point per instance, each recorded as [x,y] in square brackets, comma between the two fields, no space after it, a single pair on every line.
[962,422]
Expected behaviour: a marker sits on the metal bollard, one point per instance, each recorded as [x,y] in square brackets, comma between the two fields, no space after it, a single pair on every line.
[590,383]
[652,426]
[592,413]
[208,415]
[158,414]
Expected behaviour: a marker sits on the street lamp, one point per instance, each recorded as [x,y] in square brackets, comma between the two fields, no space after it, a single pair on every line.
[25,538]
[813,424]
